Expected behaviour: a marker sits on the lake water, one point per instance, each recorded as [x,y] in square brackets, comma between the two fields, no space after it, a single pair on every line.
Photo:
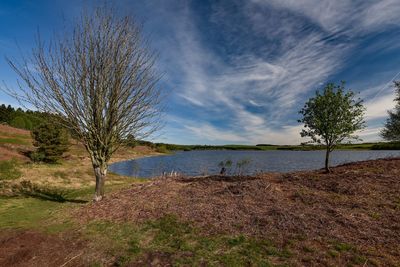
[206,162]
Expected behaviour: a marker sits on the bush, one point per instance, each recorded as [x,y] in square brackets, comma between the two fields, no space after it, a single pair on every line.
[131,141]
[51,142]
[9,170]
[37,156]
[386,146]
[161,149]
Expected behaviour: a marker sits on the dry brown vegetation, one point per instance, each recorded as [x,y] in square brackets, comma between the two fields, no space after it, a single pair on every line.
[348,217]
[351,216]
[75,170]
[6,130]
[30,248]
[14,143]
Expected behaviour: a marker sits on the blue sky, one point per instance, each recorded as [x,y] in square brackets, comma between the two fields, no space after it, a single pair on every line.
[239,71]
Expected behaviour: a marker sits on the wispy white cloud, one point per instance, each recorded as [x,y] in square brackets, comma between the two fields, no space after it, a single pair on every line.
[381,13]
[371,134]
[209,134]
[212,134]
[378,107]
[343,16]
[253,92]
[274,85]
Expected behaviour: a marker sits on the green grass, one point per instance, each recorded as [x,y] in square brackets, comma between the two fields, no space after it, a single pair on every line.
[42,206]
[341,247]
[42,212]
[16,141]
[9,170]
[183,243]
[15,135]
[28,213]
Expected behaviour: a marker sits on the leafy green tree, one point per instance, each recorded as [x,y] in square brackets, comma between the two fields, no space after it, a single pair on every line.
[6,113]
[391,132]
[21,121]
[18,122]
[131,140]
[331,117]
[51,141]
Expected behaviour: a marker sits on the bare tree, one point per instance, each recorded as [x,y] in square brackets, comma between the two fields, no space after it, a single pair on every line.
[100,79]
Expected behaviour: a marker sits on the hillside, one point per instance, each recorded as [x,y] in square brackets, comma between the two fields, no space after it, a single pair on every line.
[349,217]
[14,143]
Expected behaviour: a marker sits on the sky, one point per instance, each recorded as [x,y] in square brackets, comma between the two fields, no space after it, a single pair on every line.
[239,71]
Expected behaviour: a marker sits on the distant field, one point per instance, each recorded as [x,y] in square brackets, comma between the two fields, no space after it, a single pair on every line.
[261,147]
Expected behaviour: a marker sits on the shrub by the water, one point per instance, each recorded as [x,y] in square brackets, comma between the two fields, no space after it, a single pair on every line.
[51,141]
[131,141]
[386,146]
[161,149]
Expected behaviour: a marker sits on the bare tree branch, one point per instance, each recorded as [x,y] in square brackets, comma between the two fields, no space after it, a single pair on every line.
[100,79]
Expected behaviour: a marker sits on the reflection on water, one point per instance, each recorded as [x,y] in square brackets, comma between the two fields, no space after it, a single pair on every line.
[207,162]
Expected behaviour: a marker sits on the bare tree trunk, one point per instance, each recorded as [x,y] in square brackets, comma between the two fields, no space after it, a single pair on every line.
[100,172]
[327,160]
[101,81]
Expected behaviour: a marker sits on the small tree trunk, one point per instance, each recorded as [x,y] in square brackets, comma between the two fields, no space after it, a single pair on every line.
[100,171]
[327,160]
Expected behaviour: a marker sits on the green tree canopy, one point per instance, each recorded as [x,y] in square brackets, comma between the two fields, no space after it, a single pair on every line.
[332,117]
[23,119]
[391,132]
[51,141]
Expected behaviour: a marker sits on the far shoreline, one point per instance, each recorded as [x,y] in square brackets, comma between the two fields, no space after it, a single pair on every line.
[123,170]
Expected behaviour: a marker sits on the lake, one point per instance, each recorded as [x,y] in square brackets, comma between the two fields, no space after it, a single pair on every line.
[206,162]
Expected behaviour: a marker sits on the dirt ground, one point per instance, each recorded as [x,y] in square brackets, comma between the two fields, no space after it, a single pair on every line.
[11,130]
[30,248]
[7,153]
[355,209]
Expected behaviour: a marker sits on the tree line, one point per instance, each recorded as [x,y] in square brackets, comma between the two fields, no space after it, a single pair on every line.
[19,118]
